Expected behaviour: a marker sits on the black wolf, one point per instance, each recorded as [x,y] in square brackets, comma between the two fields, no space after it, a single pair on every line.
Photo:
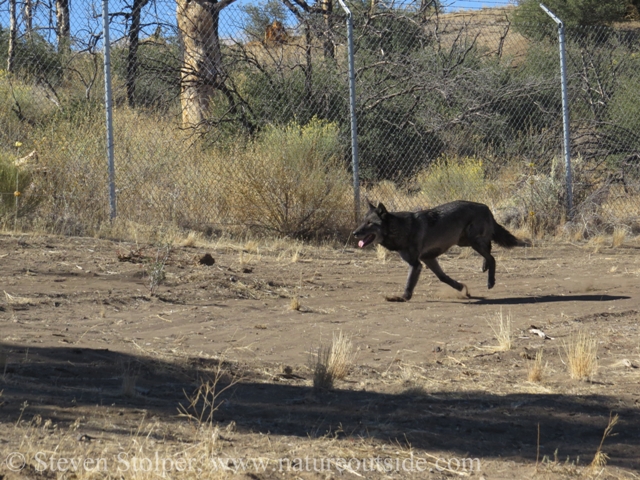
[427,234]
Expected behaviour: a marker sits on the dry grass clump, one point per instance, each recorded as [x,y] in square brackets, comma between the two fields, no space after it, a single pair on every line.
[191,240]
[295,304]
[536,369]
[600,458]
[205,400]
[618,237]
[333,362]
[598,242]
[129,377]
[503,330]
[322,378]
[14,300]
[382,254]
[297,251]
[581,351]
[156,269]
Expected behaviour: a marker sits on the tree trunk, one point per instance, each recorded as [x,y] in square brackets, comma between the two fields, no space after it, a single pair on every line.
[202,71]
[132,55]
[28,17]
[13,34]
[327,12]
[63,29]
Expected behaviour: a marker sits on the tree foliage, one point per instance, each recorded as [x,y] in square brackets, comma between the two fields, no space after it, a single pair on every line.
[530,19]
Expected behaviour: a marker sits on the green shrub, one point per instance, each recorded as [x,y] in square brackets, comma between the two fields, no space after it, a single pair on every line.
[453,179]
[157,82]
[290,181]
[35,57]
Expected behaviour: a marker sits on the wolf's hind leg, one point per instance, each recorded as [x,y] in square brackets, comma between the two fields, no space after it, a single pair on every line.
[434,266]
[489,263]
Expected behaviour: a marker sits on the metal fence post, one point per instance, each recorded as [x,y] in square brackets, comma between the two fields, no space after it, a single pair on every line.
[108,104]
[352,108]
[565,111]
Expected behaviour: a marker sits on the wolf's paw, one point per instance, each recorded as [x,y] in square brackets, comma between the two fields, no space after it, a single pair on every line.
[491,284]
[396,299]
[465,291]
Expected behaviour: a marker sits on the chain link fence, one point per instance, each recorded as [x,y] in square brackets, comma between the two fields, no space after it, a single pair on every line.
[236,117]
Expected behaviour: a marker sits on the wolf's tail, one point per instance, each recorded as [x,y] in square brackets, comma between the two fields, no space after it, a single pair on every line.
[504,238]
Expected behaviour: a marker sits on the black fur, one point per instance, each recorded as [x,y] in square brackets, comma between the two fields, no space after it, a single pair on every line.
[421,237]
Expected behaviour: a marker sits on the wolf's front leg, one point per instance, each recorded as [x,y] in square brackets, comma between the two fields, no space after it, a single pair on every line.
[412,280]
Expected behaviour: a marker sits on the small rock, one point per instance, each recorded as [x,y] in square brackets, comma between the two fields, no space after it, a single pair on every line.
[207,260]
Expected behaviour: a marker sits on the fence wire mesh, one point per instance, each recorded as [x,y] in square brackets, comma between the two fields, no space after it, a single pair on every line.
[232,116]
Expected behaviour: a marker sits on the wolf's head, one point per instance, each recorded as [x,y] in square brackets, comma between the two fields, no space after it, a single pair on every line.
[371,229]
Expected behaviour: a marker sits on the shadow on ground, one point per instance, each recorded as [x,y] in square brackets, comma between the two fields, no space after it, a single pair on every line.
[547,299]
[56,381]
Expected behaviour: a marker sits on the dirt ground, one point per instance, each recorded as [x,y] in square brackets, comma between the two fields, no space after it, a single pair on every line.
[102,342]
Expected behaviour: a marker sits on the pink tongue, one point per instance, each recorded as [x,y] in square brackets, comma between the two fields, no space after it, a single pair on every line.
[361,243]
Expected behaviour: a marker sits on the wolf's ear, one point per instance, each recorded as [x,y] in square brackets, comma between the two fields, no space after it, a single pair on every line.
[381,209]
[371,207]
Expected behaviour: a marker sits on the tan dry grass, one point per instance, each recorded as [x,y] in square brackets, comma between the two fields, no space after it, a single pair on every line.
[342,356]
[15,300]
[295,304]
[333,362]
[600,458]
[192,239]
[205,400]
[130,374]
[581,352]
[536,369]
[487,26]
[295,257]
[129,384]
[382,254]
[618,237]
[502,328]
[136,453]
[598,242]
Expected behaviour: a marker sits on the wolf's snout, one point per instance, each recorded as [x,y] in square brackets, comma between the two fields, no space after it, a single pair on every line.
[366,240]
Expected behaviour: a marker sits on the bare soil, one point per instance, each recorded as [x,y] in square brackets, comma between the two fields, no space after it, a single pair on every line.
[101,342]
